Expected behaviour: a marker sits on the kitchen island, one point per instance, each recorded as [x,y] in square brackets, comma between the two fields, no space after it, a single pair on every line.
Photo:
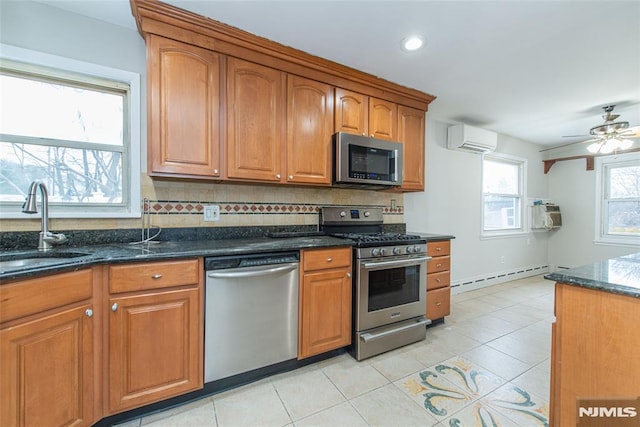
[595,341]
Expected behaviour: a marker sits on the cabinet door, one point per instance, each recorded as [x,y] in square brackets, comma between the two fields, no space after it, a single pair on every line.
[411,133]
[383,118]
[309,131]
[155,347]
[46,367]
[184,98]
[255,121]
[325,312]
[352,112]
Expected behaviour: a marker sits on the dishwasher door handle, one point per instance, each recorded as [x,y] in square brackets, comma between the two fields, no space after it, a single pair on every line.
[252,273]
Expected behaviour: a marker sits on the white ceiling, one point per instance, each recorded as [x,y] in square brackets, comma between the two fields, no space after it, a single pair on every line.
[536,70]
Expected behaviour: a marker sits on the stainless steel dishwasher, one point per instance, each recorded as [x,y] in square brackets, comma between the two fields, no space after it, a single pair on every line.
[251,312]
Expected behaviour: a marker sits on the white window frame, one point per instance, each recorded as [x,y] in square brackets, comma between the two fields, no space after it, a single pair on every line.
[602,163]
[131,164]
[522,172]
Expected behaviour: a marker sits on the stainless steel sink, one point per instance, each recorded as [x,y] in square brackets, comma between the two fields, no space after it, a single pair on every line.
[19,261]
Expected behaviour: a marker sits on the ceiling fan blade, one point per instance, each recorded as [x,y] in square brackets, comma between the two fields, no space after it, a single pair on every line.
[574,136]
[569,144]
[632,132]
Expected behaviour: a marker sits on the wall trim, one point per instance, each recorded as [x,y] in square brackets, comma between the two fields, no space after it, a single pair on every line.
[483,281]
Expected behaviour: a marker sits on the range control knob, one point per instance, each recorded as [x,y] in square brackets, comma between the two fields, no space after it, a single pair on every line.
[343,214]
[375,251]
[410,249]
[396,251]
[383,252]
[366,214]
[417,249]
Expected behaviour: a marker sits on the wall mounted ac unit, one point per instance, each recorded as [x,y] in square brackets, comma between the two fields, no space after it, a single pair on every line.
[472,139]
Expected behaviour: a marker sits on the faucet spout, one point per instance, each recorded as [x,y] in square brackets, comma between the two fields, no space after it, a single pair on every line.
[47,238]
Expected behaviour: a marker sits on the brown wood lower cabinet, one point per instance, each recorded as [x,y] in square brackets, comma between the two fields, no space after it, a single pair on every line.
[438,279]
[47,352]
[595,350]
[325,301]
[155,335]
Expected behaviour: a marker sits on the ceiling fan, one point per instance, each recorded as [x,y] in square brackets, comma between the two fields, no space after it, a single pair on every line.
[611,136]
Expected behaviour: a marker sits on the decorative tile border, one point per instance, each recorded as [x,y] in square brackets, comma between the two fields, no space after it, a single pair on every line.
[182,207]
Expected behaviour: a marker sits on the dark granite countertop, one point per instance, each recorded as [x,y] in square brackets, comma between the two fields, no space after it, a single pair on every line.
[432,236]
[85,256]
[617,275]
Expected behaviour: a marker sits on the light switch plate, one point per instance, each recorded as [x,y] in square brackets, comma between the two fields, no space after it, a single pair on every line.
[212,213]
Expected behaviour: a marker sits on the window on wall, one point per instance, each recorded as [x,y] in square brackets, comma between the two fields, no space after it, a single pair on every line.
[70,128]
[502,195]
[618,199]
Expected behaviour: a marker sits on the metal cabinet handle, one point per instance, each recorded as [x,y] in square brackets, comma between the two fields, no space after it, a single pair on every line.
[114,307]
[439,303]
[439,264]
[329,259]
[290,177]
[88,312]
[438,248]
[349,275]
[277,176]
[364,134]
[215,171]
[156,276]
[438,280]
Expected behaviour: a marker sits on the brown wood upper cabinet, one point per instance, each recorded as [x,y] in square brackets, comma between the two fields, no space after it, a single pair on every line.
[184,109]
[255,121]
[309,131]
[364,115]
[411,128]
[264,143]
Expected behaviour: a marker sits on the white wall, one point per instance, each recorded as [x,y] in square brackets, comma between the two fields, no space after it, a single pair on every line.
[575,190]
[451,204]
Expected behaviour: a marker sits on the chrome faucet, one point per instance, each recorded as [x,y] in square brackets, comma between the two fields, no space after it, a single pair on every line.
[47,238]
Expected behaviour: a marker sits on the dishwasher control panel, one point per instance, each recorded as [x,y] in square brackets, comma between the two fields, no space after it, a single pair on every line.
[249,260]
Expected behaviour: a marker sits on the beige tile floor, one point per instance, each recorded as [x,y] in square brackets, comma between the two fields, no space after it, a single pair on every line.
[489,362]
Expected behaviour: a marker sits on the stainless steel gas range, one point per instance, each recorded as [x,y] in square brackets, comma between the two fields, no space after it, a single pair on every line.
[390,280]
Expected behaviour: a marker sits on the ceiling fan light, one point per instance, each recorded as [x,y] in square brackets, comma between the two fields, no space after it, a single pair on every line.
[625,144]
[609,147]
[594,148]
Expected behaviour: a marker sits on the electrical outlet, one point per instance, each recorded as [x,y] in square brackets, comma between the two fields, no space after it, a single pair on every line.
[212,213]
[502,259]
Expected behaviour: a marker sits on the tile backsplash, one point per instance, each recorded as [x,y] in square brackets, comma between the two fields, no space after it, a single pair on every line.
[181,204]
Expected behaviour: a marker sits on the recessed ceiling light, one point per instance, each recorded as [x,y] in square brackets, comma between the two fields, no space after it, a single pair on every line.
[412,43]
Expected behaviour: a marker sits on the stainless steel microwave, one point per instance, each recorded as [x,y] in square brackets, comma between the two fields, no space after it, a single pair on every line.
[361,161]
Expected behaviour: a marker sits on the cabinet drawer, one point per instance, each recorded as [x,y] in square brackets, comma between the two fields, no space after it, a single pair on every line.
[35,295]
[438,280]
[439,248]
[441,263]
[320,259]
[438,303]
[153,275]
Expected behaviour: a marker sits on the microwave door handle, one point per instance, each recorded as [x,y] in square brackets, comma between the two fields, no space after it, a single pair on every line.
[395,263]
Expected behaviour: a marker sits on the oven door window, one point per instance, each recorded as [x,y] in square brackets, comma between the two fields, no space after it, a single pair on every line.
[393,287]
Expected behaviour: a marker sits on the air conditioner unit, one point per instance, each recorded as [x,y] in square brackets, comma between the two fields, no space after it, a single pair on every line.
[472,139]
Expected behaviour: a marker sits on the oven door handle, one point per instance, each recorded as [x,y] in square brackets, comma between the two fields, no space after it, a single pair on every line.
[373,336]
[395,263]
